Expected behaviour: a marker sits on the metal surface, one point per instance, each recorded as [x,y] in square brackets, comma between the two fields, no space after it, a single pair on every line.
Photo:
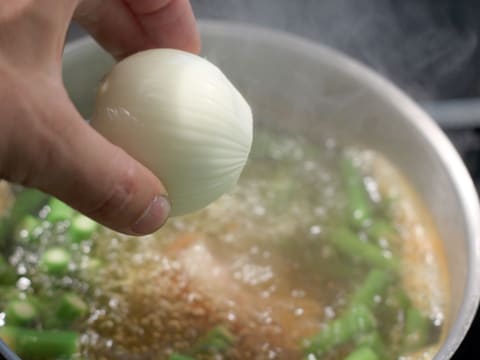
[455,114]
[301,87]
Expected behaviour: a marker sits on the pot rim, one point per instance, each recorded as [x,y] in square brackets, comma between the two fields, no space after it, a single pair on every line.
[416,117]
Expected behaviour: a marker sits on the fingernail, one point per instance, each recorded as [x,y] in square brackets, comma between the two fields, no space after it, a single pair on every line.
[154,216]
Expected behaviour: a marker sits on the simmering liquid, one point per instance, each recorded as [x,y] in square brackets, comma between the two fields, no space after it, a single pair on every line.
[273,270]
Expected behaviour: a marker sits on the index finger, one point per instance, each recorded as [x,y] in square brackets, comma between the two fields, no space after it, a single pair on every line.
[168,23]
[124,27]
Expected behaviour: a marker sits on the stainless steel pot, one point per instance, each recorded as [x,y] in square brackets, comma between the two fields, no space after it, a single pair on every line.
[309,89]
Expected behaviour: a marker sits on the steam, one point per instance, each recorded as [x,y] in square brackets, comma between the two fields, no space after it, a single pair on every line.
[415,43]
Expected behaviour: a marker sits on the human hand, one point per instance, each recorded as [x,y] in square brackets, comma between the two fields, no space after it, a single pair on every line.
[44,142]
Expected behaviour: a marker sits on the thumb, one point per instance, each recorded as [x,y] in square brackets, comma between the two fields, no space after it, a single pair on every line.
[73,162]
[102,181]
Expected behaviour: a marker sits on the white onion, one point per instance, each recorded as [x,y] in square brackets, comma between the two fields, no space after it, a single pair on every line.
[179,115]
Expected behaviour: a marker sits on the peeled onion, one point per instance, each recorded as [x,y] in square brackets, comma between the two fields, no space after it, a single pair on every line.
[179,115]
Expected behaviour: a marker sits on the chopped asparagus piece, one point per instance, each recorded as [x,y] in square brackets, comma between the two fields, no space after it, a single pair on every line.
[55,261]
[362,353]
[26,202]
[59,211]
[20,312]
[26,230]
[71,308]
[36,344]
[82,228]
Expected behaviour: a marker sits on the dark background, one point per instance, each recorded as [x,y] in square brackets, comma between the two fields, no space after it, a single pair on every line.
[429,48]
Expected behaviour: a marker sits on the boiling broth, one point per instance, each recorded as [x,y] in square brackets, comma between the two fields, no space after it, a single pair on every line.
[273,270]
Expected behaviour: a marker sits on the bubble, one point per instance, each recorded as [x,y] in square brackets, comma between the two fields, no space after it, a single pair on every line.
[21,269]
[299,312]
[231,316]
[329,312]
[315,229]
[23,283]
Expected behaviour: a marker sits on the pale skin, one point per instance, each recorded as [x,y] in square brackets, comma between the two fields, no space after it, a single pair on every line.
[44,142]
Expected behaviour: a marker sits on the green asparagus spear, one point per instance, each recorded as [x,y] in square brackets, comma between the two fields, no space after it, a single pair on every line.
[378,283]
[362,353]
[417,330]
[375,284]
[359,206]
[40,345]
[349,244]
[354,322]
[381,229]
[55,261]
